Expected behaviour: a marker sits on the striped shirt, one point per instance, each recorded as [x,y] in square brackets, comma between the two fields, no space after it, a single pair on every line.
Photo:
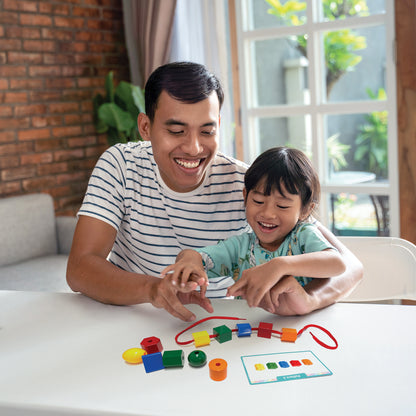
[153,222]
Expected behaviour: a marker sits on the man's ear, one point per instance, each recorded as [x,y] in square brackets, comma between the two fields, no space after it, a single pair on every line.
[143,124]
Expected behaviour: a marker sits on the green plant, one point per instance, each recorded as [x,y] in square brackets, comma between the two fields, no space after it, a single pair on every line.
[339,45]
[116,112]
[371,151]
[336,152]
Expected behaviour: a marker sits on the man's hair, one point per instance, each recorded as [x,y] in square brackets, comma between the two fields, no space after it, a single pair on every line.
[287,166]
[188,82]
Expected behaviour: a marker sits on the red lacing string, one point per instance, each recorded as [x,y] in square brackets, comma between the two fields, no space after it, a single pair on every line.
[330,347]
[321,343]
[200,322]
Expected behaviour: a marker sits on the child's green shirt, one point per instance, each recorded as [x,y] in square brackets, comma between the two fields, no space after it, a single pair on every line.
[232,256]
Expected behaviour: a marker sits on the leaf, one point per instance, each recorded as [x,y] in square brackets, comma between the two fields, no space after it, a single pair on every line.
[124,98]
[100,126]
[138,96]
[115,117]
[109,87]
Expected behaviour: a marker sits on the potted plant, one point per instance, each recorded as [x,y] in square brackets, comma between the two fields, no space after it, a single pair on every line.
[116,112]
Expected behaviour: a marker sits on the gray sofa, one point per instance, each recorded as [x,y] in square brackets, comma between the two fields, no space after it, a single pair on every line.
[34,244]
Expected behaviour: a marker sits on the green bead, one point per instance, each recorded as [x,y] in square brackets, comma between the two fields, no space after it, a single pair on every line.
[173,358]
[197,358]
[223,333]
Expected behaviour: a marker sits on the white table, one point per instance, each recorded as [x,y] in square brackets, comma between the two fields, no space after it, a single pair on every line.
[60,354]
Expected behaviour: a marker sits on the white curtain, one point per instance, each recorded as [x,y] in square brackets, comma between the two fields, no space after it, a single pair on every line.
[200,35]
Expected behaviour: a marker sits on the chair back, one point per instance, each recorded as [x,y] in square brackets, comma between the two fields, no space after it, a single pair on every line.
[27,228]
[389,268]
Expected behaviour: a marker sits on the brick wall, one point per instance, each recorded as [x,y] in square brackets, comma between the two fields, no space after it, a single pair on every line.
[54,56]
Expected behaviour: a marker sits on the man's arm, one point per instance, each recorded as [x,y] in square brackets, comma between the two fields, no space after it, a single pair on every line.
[90,273]
[288,297]
[335,288]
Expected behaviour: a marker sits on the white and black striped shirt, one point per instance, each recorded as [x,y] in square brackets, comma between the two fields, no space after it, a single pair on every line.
[153,222]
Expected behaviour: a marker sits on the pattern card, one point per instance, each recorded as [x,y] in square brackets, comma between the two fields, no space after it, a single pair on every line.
[283,366]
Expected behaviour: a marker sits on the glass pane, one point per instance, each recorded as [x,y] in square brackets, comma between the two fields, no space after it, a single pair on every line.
[285,131]
[341,9]
[284,79]
[359,214]
[355,62]
[262,14]
[357,147]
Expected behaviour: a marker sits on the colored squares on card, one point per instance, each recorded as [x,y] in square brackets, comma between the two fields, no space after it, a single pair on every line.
[284,364]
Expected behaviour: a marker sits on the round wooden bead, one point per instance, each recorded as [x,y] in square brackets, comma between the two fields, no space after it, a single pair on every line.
[197,358]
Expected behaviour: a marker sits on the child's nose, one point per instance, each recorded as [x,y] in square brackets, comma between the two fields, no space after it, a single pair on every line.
[269,211]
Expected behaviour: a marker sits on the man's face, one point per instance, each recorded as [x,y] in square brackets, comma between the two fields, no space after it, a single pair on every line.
[184,139]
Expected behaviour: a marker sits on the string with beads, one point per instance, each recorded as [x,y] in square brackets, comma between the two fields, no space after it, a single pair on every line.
[272,331]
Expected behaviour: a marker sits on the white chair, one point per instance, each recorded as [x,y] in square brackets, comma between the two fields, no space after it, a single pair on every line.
[389,268]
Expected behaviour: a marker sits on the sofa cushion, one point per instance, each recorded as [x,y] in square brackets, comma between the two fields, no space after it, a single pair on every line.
[38,274]
[27,228]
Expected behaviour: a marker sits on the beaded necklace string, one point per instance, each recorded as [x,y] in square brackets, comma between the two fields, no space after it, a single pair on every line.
[321,343]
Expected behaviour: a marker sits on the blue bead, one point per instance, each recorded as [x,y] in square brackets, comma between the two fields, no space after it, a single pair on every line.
[153,362]
[244,330]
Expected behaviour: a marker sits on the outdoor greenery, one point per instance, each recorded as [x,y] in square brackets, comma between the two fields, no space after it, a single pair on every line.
[336,152]
[340,45]
[371,151]
[116,112]
[370,145]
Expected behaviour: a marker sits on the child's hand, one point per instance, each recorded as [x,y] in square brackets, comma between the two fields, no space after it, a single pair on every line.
[188,272]
[256,282]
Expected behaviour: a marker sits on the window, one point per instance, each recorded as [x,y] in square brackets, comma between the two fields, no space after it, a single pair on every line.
[319,75]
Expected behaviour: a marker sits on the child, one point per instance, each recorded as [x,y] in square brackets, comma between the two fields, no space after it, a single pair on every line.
[281,191]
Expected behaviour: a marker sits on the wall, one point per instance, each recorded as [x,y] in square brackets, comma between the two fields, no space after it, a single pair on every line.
[53,59]
[405,15]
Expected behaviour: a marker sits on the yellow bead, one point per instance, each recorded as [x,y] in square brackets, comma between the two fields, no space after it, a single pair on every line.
[201,338]
[133,355]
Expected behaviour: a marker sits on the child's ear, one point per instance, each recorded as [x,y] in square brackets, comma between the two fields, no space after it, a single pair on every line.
[244,194]
[306,211]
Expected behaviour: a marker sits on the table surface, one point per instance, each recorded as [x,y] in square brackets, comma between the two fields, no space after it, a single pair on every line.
[61,354]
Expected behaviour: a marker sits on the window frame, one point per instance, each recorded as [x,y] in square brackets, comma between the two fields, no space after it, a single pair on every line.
[318,108]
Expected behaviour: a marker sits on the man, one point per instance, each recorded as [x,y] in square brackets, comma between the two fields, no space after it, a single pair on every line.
[147,201]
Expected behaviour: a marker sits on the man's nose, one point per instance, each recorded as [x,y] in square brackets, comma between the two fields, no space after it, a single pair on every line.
[192,144]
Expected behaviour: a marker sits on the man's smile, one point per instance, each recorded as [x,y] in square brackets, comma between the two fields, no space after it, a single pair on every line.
[189,164]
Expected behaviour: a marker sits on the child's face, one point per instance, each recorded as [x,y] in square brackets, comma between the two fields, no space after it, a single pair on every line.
[272,217]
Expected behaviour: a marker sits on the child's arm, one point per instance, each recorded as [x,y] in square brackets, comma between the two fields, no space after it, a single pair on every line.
[188,267]
[257,281]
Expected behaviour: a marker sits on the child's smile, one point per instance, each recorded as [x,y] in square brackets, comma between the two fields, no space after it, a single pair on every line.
[273,216]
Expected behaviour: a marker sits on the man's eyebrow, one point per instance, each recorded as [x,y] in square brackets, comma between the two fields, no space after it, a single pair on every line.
[172,121]
[210,124]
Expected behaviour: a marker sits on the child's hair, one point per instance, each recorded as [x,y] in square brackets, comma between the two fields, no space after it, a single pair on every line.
[287,166]
[188,82]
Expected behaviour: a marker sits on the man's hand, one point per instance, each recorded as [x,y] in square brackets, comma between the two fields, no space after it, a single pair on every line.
[288,297]
[167,296]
